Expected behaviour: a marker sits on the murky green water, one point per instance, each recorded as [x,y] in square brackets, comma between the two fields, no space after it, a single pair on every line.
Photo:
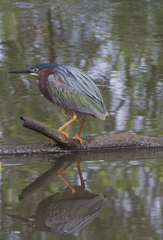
[117,43]
[133,191]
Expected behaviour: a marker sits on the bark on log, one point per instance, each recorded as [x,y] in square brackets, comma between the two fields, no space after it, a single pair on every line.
[122,140]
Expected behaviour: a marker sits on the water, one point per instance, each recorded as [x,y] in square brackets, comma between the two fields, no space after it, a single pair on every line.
[119,45]
[133,191]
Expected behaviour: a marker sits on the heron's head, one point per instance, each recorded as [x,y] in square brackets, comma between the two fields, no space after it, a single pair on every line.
[31,221]
[34,70]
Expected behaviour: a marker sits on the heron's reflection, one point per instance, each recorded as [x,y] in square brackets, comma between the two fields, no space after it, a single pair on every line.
[67,211]
[80,175]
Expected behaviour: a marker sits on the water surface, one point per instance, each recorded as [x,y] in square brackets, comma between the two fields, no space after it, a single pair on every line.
[119,44]
[133,190]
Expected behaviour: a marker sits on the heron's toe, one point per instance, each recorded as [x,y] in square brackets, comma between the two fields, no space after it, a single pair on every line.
[78,138]
[66,134]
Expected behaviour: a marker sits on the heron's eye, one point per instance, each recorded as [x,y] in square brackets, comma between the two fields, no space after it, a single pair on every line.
[32,224]
[34,69]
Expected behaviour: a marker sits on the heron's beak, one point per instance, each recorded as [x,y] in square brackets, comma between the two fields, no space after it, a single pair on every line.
[22,219]
[25,71]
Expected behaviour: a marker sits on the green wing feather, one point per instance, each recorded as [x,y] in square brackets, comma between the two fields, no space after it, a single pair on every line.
[73,89]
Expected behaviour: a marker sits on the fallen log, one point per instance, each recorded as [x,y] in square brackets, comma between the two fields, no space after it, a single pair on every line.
[124,140]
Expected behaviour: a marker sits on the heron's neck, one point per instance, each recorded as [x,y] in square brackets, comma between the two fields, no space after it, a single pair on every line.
[42,83]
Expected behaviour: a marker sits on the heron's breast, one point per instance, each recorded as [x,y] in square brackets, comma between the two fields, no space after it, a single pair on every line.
[42,84]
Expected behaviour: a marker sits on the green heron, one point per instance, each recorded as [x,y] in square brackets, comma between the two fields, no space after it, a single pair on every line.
[71,90]
[64,213]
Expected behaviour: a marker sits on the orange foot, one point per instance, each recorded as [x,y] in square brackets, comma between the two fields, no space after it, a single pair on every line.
[78,138]
[66,134]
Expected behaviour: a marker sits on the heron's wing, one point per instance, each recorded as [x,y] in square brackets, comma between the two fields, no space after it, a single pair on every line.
[70,216]
[73,89]
[77,79]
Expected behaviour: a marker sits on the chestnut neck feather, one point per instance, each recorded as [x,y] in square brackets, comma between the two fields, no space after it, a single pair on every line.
[42,83]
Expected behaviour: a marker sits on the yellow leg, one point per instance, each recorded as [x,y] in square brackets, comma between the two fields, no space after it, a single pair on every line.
[67,183]
[49,141]
[80,129]
[51,164]
[67,124]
